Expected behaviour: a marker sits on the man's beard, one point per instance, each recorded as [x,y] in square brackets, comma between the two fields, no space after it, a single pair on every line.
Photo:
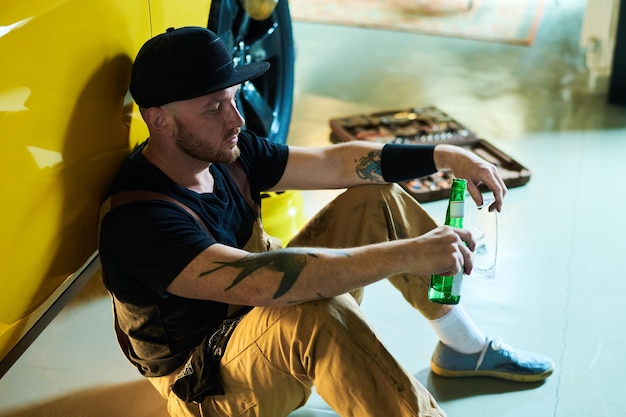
[197,149]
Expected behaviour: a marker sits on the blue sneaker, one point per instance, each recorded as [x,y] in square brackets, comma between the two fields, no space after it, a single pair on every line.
[495,360]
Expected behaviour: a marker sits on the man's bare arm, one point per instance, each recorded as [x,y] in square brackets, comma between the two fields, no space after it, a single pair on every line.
[360,162]
[294,275]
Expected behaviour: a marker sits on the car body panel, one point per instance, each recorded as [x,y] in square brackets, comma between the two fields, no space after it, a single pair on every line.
[66,122]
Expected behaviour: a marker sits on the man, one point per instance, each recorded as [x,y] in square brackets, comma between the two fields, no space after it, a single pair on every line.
[225,321]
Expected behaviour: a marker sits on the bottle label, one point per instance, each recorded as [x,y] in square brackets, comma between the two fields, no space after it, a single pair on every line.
[456,284]
[457,209]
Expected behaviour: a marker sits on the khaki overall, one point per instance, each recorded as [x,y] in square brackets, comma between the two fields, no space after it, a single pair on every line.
[276,355]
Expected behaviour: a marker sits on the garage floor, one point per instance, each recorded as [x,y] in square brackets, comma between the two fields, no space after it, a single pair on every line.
[560,279]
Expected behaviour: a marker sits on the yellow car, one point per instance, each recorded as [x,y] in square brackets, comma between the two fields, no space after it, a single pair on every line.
[67,120]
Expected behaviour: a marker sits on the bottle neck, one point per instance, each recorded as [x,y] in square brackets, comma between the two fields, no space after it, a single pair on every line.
[456,205]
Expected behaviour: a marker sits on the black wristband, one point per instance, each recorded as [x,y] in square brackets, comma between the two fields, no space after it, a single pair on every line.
[406,162]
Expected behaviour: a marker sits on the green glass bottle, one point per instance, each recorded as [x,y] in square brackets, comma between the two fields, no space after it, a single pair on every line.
[447,289]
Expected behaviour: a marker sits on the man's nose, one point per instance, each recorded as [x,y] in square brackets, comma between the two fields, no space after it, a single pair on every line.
[235,118]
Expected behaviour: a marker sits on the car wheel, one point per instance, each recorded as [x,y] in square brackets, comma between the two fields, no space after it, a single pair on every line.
[265,102]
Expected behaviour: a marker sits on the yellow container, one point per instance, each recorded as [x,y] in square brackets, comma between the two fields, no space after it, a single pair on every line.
[283,214]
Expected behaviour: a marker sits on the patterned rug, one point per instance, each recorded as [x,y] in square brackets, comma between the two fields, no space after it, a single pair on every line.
[507,21]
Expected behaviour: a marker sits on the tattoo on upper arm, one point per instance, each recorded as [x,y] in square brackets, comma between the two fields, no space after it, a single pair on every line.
[368,168]
[289,261]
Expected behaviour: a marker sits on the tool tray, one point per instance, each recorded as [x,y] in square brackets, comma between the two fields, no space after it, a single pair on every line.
[428,125]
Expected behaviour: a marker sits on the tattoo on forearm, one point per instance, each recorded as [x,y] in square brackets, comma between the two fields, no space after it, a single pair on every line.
[290,262]
[368,168]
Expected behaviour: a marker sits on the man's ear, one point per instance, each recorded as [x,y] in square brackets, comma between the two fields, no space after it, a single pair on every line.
[159,120]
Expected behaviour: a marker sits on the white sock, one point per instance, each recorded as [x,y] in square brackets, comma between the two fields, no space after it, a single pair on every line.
[458,331]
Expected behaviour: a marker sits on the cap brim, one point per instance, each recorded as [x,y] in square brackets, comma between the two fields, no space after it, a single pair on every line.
[242,74]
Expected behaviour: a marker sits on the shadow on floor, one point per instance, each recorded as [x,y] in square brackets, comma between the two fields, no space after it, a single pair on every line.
[139,399]
[448,389]
[133,399]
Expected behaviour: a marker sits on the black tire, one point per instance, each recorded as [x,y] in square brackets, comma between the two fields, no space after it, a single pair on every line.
[266,102]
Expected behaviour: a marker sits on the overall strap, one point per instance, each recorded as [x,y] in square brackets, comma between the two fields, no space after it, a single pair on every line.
[117,200]
[124,197]
[241,180]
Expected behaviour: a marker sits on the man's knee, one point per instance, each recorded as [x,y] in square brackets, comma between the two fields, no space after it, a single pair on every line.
[373,192]
[297,321]
[323,312]
[337,322]
[366,214]
[321,322]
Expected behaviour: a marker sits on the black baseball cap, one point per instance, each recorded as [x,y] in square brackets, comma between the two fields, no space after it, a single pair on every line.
[186,63]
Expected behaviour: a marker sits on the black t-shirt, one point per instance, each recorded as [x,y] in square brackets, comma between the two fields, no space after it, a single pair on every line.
[144,245]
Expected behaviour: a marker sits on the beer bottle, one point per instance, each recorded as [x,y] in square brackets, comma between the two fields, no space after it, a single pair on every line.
[447,289]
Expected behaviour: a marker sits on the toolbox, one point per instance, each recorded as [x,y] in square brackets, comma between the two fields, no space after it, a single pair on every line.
[427,125]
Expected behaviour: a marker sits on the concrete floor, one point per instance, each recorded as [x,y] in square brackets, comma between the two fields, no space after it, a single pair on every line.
[559,248]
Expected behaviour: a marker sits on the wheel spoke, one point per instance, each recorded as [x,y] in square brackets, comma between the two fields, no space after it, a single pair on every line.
[265,102]
[257,109]
[267,45]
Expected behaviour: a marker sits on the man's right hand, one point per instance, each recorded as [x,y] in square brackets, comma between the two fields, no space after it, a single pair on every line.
[445,251]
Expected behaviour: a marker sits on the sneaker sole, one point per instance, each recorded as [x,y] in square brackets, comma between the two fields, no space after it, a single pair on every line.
[494,374]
